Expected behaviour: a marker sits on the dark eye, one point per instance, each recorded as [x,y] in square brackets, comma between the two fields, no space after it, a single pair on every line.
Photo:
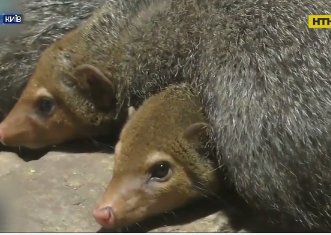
[45,105]
[161,171]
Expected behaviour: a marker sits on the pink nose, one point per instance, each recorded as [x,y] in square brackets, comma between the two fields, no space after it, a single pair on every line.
[104,217]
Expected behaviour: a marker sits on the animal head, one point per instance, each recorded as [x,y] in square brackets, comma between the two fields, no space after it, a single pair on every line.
[156,169]
[63,100]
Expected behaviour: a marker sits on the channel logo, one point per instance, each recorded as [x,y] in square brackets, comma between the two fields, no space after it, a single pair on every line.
[11,18]
[319,21]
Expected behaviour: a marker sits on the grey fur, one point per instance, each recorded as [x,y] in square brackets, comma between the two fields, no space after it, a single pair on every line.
[45,22]
[265,81]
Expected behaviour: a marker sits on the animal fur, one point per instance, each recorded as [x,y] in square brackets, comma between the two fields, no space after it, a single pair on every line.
[45,21]
[169,127]
[265,81]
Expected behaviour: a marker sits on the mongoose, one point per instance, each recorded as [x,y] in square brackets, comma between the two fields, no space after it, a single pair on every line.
[263,75]
[44,22]
[20,45]
[81,85]
[161,160]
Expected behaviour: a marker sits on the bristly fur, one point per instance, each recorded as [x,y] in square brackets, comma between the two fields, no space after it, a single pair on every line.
[114,38]
[265,78]
[161,122]
[44,22]
[169,127]
[265,81]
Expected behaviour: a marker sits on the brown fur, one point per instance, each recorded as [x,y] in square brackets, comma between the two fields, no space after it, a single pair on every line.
[167,127]
[263,73]
[120,43]
[45,21]
[72,117]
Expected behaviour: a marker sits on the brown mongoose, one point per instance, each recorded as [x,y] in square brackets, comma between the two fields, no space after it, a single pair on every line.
[72,91]
[162,160]
[263,74]
[44,22]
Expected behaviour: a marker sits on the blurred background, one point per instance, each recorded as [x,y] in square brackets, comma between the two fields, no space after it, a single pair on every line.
[10,6]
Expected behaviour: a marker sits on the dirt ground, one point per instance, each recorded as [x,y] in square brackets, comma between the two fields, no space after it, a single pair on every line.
[58,192]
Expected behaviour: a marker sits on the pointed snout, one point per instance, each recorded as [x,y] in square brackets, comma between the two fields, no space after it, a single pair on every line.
[123,203]
[16,130]
[104,216]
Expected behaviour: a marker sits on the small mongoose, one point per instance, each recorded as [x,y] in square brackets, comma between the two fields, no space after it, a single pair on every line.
[161,161]
[82,83]
[44,22]
[263,76]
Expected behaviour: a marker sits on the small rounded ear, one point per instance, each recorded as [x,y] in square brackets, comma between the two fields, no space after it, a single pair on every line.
[100,89]
[197,133]
[131,112]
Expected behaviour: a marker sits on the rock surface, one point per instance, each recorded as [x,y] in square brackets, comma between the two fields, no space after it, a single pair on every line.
[58,192]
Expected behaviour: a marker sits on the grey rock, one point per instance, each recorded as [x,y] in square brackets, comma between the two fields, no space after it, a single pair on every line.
[58,192]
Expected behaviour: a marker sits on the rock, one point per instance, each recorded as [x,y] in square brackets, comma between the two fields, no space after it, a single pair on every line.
[58,192]
[8,162]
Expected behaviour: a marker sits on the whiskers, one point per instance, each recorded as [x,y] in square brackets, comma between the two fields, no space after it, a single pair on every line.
[210,195]
[104,147]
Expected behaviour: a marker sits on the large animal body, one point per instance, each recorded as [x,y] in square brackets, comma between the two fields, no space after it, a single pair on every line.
[263,73]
